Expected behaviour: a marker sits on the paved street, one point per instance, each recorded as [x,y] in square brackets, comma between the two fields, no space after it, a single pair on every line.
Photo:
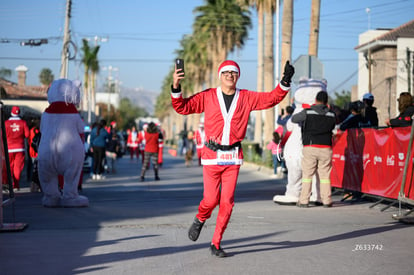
[134,227]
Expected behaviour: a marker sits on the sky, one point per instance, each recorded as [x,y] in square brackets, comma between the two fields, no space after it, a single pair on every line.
[138,39]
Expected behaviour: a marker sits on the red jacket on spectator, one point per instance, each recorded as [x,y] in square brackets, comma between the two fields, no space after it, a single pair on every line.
[151,142]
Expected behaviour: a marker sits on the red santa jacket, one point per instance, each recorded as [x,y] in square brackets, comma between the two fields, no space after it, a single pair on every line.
[133,139]
[226,127]
[16,131]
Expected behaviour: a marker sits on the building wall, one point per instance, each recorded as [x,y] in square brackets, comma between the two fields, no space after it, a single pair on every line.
[405,74]
[362,63]
[389,74]
[384,82]
[112,98]
[38,105]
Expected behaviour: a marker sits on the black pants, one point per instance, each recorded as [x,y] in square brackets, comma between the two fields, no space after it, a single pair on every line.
[98,156]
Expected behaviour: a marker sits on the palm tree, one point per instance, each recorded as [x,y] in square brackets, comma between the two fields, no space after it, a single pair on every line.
[226,24]
[287,31]
[220,27]
[46,76]
[5,72]
[258,4]
[269,67]
[195,54]
[89,60]
[265,63]
[94,68]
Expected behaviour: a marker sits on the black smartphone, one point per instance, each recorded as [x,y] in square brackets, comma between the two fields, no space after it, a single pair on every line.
[180,64]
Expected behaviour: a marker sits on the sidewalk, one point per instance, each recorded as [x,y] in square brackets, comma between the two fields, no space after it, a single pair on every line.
[134,227]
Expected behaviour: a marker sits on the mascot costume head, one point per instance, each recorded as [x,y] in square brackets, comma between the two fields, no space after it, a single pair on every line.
[61,149]
[304,97]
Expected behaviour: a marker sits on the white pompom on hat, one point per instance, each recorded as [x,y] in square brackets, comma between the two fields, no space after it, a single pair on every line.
[228,65]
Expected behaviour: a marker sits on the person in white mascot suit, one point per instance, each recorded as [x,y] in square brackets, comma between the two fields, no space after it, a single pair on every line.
[304,96]
[61,149]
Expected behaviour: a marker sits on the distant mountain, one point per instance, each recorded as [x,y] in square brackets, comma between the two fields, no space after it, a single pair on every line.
[141,97]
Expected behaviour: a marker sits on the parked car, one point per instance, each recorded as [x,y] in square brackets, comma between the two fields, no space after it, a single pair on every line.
[87,163]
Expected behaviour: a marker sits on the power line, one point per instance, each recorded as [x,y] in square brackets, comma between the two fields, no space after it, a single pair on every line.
[346,80]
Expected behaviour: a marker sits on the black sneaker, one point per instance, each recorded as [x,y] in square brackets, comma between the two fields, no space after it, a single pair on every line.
[157,178]
[195,229]
[217,252]
[142,178]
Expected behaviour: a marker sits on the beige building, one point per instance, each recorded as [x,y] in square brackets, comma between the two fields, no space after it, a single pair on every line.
[386,62]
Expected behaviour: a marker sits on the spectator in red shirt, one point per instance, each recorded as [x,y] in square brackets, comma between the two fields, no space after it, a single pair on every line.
[151,150]
[16,132]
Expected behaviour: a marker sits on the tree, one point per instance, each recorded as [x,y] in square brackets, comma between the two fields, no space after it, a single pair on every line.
[89,60]
[193,50]
[258,4]
[287,33]
[46,76]
[265,63]
[5,72]
[220,27]
[94,67]
[127,113]
[342,99]
[226,25]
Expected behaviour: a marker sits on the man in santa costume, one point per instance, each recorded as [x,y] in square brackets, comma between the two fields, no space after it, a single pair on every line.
[199,138]
[133,143]
[226,115]
[16,132]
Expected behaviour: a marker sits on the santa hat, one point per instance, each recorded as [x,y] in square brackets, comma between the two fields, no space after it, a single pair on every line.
[228,65]
[15,111]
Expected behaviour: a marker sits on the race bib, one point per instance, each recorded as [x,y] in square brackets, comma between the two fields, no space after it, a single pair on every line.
[229,157]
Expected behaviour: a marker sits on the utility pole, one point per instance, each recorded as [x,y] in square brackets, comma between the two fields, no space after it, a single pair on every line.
[66,41]
[408,70]
[314,30]
[369,67]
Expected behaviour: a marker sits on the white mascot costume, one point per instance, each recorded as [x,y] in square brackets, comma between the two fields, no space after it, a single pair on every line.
[304,96]
[61,149]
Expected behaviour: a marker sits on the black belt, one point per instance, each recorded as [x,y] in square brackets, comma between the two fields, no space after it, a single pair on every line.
[215,146]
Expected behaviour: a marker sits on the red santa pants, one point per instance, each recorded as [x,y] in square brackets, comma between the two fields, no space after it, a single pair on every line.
[219,186]
[134,150]
[16,167]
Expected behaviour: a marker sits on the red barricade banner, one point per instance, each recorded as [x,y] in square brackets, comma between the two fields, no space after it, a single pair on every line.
[372,161]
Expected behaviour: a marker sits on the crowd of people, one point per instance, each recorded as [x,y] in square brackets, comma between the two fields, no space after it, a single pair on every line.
[103,146]
[217,142]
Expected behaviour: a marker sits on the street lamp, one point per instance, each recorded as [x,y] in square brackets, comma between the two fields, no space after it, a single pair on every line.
[110,78]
